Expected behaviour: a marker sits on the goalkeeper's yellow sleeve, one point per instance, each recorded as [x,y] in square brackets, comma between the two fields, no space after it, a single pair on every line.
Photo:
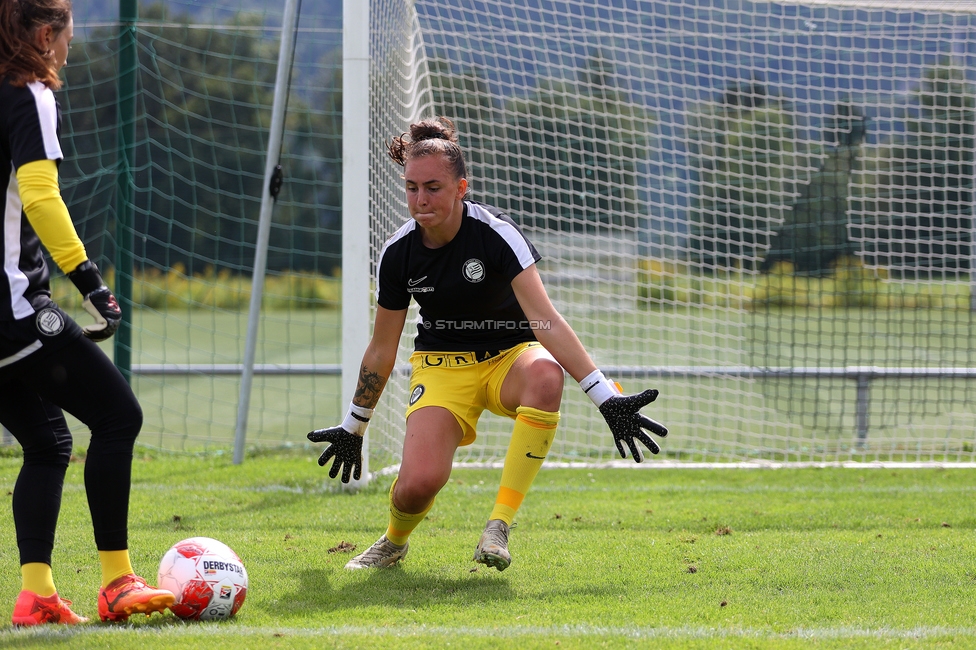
[47,213]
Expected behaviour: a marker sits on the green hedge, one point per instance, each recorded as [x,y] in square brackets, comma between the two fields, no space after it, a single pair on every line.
[850,285]
[224,290]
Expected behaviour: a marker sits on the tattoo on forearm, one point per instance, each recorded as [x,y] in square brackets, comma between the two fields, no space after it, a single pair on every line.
[369,387]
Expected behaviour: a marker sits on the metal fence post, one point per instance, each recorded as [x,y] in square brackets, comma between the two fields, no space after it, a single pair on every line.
[863,404]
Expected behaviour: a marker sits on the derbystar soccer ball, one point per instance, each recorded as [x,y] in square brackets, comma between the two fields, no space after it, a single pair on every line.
[207,578]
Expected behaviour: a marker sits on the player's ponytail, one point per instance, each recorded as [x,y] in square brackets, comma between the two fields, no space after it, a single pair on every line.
[429,137]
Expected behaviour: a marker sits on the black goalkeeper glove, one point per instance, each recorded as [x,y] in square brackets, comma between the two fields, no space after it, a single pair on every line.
[98,301]
[627,423]
[346,443]
[623,416]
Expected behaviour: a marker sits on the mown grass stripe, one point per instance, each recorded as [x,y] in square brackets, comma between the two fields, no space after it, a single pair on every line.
[225,630]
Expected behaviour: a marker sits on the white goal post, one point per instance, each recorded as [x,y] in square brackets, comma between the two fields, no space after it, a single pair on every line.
[765,210]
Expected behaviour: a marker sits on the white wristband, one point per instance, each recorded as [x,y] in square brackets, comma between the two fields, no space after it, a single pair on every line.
[357,419]
[598,387]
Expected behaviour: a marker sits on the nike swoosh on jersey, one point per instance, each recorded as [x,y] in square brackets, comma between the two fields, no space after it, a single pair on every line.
[528,454]
[413,283]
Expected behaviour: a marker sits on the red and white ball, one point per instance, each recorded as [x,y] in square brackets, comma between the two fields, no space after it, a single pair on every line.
[207,577]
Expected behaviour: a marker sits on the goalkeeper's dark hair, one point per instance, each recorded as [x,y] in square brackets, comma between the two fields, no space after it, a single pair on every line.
[428,137]
[20,59]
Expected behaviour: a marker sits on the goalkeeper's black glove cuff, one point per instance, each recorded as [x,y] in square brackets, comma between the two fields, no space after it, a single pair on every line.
[98,301]
[86,278]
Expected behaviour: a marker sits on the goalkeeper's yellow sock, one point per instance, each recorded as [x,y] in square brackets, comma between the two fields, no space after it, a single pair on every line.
[37,577]
[115,564]
[532,437]
[403,523]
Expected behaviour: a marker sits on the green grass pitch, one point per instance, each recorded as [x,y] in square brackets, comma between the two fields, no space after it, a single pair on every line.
[663,558]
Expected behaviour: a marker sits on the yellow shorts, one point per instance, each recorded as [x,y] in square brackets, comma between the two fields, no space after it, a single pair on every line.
[460,383]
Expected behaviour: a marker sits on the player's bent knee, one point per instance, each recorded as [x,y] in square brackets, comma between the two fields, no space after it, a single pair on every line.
[545,388]
[52,458]
[119,424]
[136,416]
[128,416]
[413,496]
[56,454]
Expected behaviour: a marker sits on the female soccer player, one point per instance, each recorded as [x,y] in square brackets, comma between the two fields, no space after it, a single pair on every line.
[489,337]
[47,362]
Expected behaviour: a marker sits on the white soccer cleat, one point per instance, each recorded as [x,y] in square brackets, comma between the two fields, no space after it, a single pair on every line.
[493,546]
[382,554]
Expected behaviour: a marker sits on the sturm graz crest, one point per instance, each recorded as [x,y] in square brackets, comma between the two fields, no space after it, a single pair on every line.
[49,322]
[416,394]
[473,270]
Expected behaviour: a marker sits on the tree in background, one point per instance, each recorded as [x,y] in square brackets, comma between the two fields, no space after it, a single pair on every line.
[574,152]
[204,102]
[567,156]
[464,95]
[750,163]
[814,233]
[912,203]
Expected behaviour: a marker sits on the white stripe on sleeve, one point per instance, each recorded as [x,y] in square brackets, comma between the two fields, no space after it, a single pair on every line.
[13,215]
[507,231]
[401,232]
[47,113]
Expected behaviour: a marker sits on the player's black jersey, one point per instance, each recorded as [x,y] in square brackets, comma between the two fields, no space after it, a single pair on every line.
[29,131]
[464,288]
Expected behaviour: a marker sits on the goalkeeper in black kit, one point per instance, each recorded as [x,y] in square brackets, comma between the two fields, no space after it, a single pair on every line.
[488,338]
[47,361]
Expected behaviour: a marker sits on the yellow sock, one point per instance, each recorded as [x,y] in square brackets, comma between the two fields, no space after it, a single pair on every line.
[403,523]
[36,577]
[532,437]
[115,564]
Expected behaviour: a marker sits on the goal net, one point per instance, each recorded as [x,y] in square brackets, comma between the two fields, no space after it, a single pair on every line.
[763,209]
[204,79]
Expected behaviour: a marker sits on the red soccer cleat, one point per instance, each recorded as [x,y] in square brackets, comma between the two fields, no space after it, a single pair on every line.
[32,609]
[128,595]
